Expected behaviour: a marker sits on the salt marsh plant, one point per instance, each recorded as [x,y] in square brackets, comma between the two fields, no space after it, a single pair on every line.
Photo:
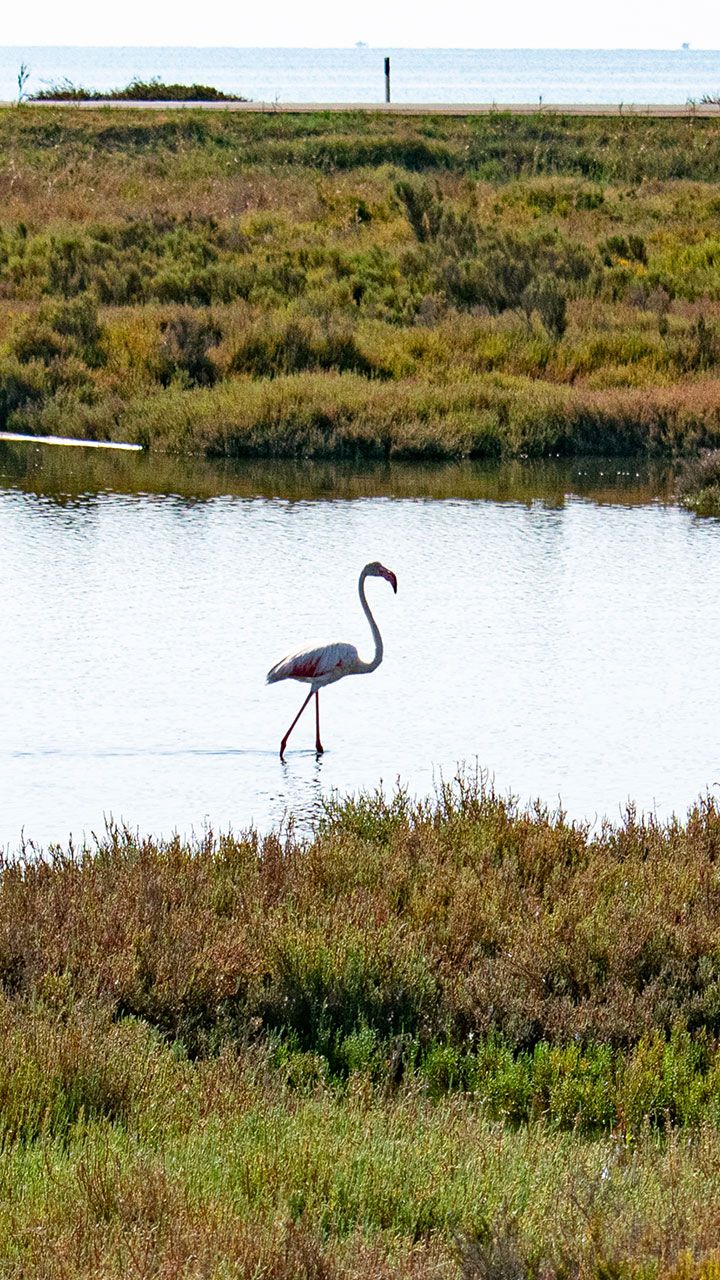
[548,953]
[436,1039]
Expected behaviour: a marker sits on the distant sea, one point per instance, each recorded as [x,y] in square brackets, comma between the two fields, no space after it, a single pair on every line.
[629,76]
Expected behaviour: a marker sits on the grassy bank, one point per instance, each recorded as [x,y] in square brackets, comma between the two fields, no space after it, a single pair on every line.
[452,1039]
[359,285]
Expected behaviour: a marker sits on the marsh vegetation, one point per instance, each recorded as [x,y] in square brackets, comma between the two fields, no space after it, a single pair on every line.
[437,1039]
[454,1038]
[353,286]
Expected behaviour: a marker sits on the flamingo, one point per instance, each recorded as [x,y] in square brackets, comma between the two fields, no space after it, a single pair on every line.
[330,662]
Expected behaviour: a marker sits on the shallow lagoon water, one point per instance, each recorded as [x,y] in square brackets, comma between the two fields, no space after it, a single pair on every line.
[556,626]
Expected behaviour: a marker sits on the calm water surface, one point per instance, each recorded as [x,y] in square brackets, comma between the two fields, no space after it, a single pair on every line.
[558,625]
[356,75]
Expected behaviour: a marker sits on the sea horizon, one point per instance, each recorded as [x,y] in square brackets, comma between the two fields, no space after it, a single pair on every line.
[354,73]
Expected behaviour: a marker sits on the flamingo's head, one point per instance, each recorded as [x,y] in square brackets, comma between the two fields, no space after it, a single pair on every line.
[378,570]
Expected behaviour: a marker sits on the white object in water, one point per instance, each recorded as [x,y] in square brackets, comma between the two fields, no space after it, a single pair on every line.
[67,440]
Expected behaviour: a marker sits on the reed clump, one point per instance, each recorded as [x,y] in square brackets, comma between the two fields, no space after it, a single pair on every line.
[699,483]
[358,286]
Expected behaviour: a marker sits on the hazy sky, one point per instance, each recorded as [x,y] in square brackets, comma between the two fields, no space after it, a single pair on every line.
[645,24]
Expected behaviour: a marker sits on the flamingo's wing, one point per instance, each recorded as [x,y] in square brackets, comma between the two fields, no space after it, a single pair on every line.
[315,664]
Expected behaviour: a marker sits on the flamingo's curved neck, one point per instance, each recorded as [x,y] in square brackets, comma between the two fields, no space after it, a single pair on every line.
[378,657]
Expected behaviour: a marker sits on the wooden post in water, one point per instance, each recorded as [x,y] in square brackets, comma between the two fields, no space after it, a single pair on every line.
[387,79]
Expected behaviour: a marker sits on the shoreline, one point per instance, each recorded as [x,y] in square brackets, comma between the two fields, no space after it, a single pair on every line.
[645,110]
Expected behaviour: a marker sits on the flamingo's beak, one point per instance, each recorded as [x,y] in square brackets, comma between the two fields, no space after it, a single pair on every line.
[391,579]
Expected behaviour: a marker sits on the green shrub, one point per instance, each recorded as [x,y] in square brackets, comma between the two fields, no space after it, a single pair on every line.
[297,345]
[70,329]
[153,90]
[22,383]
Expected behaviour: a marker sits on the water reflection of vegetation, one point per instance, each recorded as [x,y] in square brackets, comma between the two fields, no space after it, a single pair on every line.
[69,475]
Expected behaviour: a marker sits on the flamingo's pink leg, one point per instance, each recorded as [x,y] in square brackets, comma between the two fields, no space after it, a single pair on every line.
[283,744]
[318,744]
